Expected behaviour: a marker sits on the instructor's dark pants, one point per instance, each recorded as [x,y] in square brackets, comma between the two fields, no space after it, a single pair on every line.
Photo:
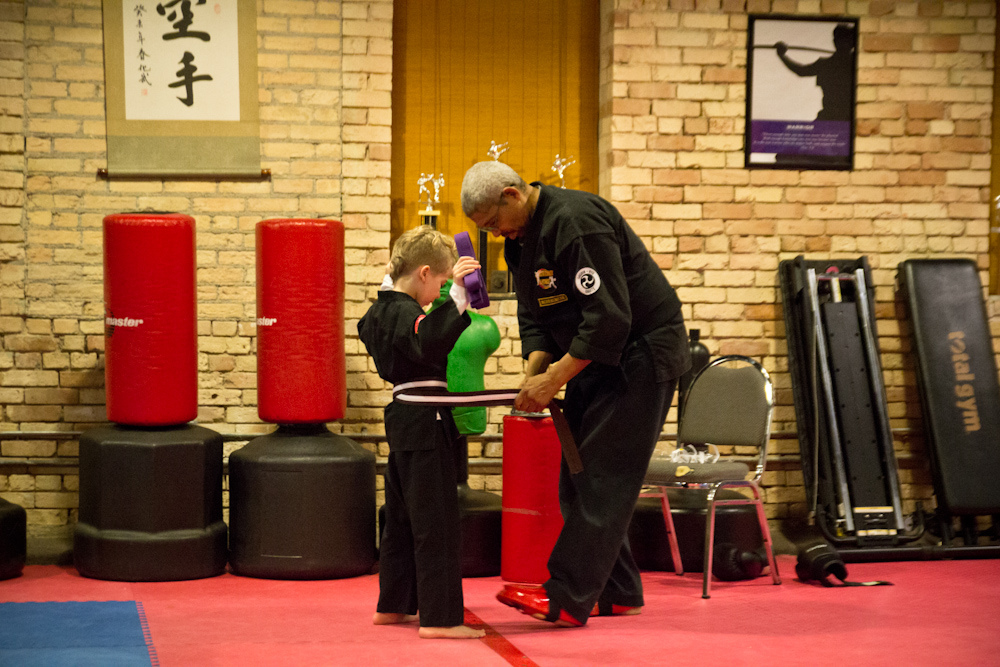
[616,415]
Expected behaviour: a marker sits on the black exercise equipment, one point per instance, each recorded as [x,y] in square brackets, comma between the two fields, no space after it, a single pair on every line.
[845,439]
[700,356]
[959,391]
[480,514]
[13,539]
[150,504]
[302,505]
[819,561]
[731,563]
[735,528]
[480,518]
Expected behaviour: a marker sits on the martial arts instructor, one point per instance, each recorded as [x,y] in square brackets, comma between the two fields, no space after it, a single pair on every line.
[596,315]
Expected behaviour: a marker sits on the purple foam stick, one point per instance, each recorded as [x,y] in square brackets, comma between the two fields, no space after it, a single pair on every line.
[474,283]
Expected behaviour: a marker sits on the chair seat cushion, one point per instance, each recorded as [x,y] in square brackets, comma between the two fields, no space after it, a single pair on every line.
[665,471]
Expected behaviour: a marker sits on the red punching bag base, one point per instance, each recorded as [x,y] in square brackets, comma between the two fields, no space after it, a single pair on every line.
[531,517]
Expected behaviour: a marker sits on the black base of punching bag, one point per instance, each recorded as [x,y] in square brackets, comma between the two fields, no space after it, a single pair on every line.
[13,539]
[302,506]
[480,516]
[735,526]
[150,504]
[480,513]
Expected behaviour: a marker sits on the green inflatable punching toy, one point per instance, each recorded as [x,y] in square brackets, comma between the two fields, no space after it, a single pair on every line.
[467,365]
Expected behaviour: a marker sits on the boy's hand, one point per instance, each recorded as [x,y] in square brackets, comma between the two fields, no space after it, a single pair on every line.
[463,267]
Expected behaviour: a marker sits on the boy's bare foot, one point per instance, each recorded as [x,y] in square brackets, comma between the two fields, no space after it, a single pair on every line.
[455,632]
[389,619]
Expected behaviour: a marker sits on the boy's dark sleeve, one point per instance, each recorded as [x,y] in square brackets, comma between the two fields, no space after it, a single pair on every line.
[435,333]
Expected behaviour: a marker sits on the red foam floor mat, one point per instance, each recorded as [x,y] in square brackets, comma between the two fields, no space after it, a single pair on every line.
[936,613]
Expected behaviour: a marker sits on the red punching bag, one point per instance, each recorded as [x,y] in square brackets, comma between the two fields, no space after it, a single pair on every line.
[531,519]
[150,334]
[301,368]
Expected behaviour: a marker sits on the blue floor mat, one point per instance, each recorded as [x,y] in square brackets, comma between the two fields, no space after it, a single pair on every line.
[106,634]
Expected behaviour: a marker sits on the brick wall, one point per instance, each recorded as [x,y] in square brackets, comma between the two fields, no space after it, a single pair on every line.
[672,98]
[674,165]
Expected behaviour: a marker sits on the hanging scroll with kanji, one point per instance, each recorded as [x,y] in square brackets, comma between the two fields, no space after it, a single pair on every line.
[181,88]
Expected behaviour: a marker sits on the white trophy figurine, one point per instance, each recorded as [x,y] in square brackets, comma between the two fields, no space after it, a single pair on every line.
[422,182]
[496,150]
[438,183]
[559,166]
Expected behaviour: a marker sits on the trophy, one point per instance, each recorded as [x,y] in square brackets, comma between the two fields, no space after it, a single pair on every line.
[499,279]
[559,166]
[430,214]
[496,150]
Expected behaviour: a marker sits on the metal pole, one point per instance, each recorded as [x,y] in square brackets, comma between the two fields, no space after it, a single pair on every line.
[840,476]
[878,392]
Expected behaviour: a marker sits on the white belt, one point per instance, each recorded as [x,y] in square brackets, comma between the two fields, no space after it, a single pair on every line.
[435,393]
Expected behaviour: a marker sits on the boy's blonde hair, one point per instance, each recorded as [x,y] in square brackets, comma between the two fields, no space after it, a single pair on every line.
[422,245]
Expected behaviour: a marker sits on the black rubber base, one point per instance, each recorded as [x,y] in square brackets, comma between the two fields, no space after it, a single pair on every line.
[13,539]
[927,552]
[480,514]
[128,555]
[302,506]
[150,504]
[736,526]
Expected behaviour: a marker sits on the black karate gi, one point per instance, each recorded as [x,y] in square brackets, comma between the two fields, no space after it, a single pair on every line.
[587,286]
[419,559]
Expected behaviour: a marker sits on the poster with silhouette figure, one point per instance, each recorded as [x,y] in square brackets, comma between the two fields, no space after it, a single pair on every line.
[801,77]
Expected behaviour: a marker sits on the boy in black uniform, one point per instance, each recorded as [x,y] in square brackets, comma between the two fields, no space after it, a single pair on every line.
[419,562]
[591,298]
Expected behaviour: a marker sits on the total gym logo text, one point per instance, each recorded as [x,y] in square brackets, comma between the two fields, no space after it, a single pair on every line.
[965,391]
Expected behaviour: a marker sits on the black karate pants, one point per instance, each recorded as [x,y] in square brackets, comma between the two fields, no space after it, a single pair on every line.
[419,557]
[616,415]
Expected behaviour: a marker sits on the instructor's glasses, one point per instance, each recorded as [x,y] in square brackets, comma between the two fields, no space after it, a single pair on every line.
[491,224]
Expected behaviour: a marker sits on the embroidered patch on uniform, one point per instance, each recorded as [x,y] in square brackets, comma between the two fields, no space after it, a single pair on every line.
[587,281]
[417,323]
[552,300]
[545,279]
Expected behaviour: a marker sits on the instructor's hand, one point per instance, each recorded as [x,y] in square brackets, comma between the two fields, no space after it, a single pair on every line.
[538,389]
[537,392]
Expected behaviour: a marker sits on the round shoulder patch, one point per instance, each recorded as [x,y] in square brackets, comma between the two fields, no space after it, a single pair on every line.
[587,281]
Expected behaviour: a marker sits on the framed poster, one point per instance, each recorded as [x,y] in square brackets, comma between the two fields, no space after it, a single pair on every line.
[181,88]
[801,79]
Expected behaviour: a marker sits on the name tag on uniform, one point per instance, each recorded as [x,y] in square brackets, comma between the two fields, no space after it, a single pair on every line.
[552,300]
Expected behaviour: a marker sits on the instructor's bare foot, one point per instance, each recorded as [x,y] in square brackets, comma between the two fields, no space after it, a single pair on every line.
[454,632]
[389,619]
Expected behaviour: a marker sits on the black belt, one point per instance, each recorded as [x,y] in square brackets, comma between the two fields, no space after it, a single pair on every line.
[434,393]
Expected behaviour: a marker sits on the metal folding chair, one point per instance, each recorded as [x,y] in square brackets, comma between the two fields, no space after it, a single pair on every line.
[728,405]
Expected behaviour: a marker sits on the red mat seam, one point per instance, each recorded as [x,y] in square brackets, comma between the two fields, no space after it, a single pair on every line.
[154,660]
[498,643]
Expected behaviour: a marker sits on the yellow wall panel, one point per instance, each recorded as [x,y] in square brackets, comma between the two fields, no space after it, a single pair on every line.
[465,74]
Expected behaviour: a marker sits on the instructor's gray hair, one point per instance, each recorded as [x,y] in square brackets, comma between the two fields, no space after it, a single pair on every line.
[483,183]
